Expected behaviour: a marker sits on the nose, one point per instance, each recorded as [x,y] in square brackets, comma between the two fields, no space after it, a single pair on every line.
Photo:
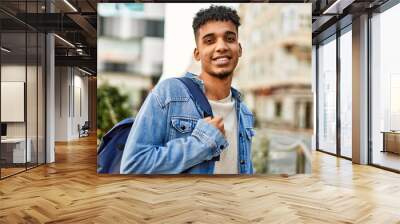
[221,45]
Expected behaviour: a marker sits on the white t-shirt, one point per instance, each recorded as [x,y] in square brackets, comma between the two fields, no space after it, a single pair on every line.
[228,163]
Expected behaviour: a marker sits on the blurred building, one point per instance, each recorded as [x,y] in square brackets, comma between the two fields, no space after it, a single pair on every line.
[274,72]
[130,40]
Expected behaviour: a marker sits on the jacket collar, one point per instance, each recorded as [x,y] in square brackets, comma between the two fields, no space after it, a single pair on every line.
[235,93]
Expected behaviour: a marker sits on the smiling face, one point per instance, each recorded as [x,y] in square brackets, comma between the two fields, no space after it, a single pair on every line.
[218,48]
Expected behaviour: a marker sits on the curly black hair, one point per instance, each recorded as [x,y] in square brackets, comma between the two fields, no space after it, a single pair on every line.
[215,13]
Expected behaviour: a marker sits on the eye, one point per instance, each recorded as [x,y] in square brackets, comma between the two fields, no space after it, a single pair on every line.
[230,38]
[208,40]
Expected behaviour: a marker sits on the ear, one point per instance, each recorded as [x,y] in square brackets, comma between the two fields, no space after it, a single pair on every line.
[240,50]
[196,54]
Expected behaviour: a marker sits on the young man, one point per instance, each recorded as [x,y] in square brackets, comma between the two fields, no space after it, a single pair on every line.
[170,135]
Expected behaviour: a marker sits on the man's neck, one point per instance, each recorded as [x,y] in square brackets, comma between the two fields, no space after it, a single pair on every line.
[216,89]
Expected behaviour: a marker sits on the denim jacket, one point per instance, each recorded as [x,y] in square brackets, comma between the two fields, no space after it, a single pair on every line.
[169,135]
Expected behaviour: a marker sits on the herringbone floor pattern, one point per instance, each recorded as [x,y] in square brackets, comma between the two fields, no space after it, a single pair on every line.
[70,191]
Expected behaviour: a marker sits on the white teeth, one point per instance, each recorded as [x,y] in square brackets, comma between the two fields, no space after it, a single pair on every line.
[222,59]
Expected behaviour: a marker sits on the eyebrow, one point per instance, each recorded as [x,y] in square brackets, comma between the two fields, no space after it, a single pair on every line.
[230,32]
[208,35]
[212,34]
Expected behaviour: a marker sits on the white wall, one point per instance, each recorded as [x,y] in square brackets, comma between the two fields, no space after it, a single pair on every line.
[70,83]
[33,126]
[17,73]
[80,93]
[14,73]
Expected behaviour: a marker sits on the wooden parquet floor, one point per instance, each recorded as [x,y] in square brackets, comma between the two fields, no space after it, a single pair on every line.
[70,191]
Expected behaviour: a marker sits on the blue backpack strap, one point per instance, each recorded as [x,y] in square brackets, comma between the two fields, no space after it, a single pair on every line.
[200,98]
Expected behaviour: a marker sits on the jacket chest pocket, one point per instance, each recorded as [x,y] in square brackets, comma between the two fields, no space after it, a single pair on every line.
[182,126]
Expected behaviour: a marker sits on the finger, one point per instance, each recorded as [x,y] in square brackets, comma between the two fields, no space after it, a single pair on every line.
[223,131]
[207,119]
[219,126]
[218,119]
[222,128]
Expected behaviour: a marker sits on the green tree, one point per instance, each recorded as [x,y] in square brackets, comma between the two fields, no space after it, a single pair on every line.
[112,107]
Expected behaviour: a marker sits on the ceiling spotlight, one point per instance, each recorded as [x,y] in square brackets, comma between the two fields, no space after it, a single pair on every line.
[64,40]
[70,5]
[5,50]
[84,71]
[337,7]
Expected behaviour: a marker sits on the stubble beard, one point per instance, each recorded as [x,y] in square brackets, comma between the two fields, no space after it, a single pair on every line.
[221,75]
